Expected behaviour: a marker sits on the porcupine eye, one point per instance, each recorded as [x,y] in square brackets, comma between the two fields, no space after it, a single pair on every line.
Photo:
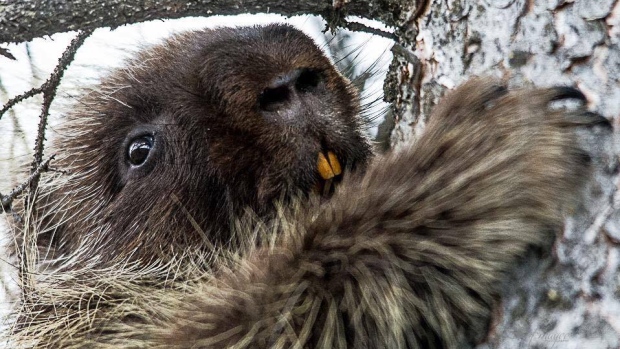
[139,149]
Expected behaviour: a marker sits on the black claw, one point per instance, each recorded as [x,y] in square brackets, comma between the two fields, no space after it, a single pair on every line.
[566,92]
[494,93]
[498,91]
[597,119]
[584,157]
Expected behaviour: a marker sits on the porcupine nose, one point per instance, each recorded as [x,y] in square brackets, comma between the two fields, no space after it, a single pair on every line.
[285,94]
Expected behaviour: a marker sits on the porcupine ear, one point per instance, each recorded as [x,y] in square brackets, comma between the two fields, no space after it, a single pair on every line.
[412,255]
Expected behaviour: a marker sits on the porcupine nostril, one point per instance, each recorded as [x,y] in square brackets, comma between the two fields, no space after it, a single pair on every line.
[284,88]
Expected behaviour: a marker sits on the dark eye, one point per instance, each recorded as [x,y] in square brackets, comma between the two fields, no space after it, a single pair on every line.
[139,149]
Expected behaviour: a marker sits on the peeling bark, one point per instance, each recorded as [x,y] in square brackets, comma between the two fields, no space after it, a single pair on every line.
[571,298]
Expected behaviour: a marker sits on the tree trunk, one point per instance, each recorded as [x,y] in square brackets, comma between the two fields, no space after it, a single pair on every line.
[571,298]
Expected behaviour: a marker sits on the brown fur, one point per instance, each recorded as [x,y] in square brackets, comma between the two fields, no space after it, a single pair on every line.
[217,152]
[409,254]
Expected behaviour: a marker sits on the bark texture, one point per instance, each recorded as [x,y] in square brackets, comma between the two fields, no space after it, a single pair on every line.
[24,20]
[571,298]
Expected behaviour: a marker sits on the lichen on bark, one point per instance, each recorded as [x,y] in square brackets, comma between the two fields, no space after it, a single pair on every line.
[570,298]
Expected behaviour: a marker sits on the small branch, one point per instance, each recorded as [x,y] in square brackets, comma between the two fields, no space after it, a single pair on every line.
[49,92]
[359,27]
[13,101]
[49,87]
[7,200]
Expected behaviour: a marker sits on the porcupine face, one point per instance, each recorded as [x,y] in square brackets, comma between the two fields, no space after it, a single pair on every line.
[192,132]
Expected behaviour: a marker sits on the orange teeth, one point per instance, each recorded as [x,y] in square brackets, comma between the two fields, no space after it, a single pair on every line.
[329,166]
[333,161]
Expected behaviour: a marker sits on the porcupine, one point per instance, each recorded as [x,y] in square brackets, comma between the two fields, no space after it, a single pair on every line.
[190,215]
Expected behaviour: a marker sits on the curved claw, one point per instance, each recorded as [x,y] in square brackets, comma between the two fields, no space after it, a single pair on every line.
[586,119]
[597,119]
[498,90]
[567,92]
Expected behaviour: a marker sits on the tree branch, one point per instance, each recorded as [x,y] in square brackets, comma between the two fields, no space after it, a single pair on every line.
[13,101]
[49,92]
[6,201]
[22,21]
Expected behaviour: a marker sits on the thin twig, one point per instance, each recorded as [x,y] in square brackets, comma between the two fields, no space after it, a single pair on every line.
[359,27]
[27,258]
[7,200]
[49,92]
[13,101]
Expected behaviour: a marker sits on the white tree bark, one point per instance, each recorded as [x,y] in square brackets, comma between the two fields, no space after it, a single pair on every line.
[571,298]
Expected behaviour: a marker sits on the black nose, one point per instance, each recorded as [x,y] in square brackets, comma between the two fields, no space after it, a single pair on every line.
[284,88]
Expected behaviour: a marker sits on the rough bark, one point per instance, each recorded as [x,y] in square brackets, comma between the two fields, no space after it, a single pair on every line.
[571,298]
[24,20]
